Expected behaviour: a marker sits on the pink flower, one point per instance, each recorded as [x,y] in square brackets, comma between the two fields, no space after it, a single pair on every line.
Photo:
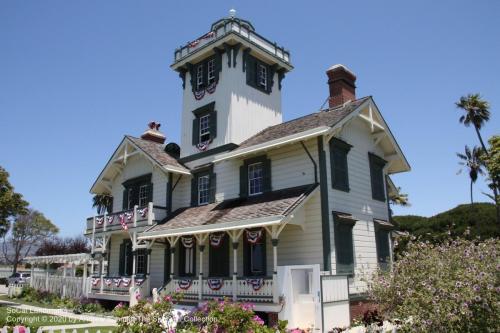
[258,320]
[167,298]
[21,329]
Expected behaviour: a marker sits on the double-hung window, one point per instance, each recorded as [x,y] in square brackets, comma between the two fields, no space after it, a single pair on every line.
[259,74]
[205,128]
[187,260]
[211,71]
[254,259]
[137,191]
[255,178]
[141,261]
[143,195]
[382,239]
[262,76]
[203,189]
[199,77]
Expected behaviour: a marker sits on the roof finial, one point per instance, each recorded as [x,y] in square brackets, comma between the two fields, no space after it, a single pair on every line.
[232,13]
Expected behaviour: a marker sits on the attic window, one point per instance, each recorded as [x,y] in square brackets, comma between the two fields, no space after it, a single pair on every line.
[262,76]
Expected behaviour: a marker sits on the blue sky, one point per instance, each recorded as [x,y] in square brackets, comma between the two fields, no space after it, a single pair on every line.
[75,76]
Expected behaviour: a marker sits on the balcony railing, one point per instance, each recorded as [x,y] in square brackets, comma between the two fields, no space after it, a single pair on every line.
[118,286]
[246,289]
[240,30]
[123,220]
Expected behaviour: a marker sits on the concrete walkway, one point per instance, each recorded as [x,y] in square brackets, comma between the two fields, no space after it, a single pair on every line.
[95,321]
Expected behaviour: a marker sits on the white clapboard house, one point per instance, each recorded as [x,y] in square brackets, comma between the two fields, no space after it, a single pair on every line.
[287,215]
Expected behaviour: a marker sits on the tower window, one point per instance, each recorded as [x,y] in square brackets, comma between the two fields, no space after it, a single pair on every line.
[211,71]
[199,77]
[255,178]
[205,128]
[143,195]
[203,189]
[262,76]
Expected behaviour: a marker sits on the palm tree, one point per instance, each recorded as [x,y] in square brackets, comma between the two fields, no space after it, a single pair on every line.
[477,112]
[103,203]
[400,199]
[471,160]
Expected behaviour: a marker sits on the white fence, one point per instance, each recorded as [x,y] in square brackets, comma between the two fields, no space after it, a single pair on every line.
[68,286]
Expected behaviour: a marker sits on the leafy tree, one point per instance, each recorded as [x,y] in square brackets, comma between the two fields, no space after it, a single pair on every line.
[477,113]
[11,203]
[28,230]
[400,199]
[57,245]
[471,159]
[103,203]
[492,162]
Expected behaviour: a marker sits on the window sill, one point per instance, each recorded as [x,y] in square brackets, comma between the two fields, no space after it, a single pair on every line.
[340,188]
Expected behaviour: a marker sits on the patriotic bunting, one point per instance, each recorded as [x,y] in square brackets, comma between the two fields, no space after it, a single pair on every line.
[253,237]
[216,240]
[95,281]
[184,284]
[187,242]
[121,218]
[143,212]
[139,282]
[99,220]
[199,94]
[256,283]
[202,146]
[195,43]
[215,284]
[211,87]
[129,216]
[110,219]
[126,282]
[117,282]
[108,282]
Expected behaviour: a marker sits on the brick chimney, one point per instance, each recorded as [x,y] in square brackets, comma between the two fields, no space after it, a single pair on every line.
[153,133]
[341,83]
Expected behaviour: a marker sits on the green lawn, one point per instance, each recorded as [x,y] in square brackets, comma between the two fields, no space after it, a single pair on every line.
[14,316]
[21,301]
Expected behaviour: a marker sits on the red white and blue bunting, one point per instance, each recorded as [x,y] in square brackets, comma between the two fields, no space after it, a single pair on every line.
[117,282]
[211,87]
[139,282]
[110,219]
[253,237]
[255,283]
[143,212]
[99,220]
[108,282]
[202,146]
[187,241]
[95,281]
[199,94]
[184,284]
[215,284]
[216,240]
[208,35]
[126,282]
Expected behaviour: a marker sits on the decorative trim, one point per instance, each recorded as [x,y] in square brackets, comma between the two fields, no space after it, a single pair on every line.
[228,49]
[235,245]
[325,215]
[182,75]
[210,152]
[236,48]
[275,241]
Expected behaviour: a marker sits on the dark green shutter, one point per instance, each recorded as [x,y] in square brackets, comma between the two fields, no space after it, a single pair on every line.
[377,177]
[218,63]
[128,249]
[243,181]
[182,260]
[383,251]
[150,193]
[339,169]
[251,71]
[121,262]
[192,74]
[213,187]
[166,264]
[219,259]
[270,77]
[213,125]
[125,199]
[266,164]
[194,191]
[204,65]
[109,257]
[196,131]
[344,248]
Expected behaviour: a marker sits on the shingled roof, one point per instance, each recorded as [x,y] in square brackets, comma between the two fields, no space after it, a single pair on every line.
[276,203]
[328,117]
[157,152]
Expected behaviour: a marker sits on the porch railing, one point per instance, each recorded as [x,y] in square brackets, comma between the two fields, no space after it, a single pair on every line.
[243,291]
[117,285]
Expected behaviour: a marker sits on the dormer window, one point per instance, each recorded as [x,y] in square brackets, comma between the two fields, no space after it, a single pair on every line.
[211,71]
[255,178]
[262,76]
[203,189]
[143,195]
[205,128]
[199,77]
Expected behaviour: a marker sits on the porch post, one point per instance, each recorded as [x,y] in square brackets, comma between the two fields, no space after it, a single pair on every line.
[84,282]
[274,242]
[134,253]
[172,257]
[32,274]
[235,269]
[150,213]
[200,277]
[64,281]
[46,276]
[102,272]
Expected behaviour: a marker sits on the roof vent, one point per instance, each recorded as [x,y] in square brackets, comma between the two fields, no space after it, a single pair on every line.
[153,133]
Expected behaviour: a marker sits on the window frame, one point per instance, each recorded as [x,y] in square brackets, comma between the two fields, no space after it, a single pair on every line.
[248,257]
[143,195]
[204,130]
[261,178]
[141,260]
[187,267]
[262,75]
[206,190]
[131,191]
[266,175]
[337,147]
[377,177]
[199,77]
[211,78]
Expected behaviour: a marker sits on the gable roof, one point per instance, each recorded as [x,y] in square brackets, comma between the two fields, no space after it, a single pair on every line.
[153,151]
[272,205]
[328,117]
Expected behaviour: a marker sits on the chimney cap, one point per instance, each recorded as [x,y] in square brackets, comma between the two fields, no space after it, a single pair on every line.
[337,67]
[153,133]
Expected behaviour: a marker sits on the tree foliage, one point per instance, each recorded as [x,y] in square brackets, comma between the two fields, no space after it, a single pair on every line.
[451,287]
[58,245]
[471,160]
[102,203]
[11,203]
[492,161]
[28,231]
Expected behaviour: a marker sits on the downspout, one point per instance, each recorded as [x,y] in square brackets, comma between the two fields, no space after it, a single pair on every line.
[169,194]
[325,214]
[313,162]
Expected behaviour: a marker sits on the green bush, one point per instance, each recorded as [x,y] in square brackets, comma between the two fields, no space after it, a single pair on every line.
[451,287]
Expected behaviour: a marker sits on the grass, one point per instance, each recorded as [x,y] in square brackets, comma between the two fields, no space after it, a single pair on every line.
[21,301]
[14,316]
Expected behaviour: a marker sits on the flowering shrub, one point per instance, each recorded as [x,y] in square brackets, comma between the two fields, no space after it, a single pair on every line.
[452,287]
[226,317]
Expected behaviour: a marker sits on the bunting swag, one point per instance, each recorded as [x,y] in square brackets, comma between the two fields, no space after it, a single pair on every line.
[143,212]
[139,282]
[117,282]
[99,220]
[108,282]
[202,146]
[110,219]
[121,217]
[256,283]
[187,242]
[95,281]
[215,284]
[126,282]
[211,87]
[199,94]
[216,240]
[208,35]
[253,237]
[184,284]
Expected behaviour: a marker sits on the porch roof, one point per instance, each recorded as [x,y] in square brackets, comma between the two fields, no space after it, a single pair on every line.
[262,210]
